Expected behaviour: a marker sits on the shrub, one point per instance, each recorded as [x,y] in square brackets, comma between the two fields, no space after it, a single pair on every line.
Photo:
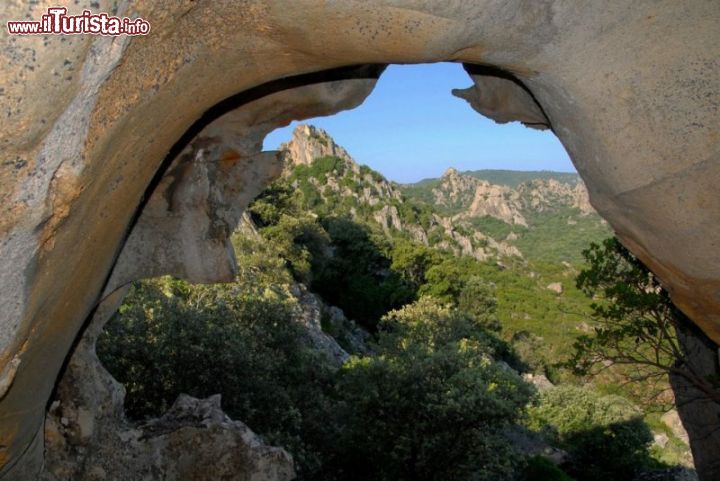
[431,405]
[356,276]
[169,338]
[605,436]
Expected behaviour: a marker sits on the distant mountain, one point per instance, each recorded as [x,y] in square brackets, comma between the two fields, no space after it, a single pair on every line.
[466,196]
[509,178]
[546,216]
[513,178]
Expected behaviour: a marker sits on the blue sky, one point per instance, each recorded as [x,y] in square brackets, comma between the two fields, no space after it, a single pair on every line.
[411,127]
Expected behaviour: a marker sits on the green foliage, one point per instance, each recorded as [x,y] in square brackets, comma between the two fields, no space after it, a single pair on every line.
[412,260]
[539,468]
[357,276]
[432,400]
[297,238]
[636,319]
[447,280]
[276,200]
[477,299]
[605,436]
[492,227]
[320,168]
[530,349]
[547,237]
[431,404]
[338,258]
[550,239]
[169,338]
[421,191]
[414,213]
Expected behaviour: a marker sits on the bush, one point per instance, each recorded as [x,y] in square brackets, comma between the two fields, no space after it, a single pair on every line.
[431,405]
[170,337]
[605,436]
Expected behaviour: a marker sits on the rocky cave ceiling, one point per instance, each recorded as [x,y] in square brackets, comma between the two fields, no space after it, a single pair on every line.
[91,199]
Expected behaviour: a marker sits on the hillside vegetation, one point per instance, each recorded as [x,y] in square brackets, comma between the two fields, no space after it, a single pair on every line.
[420,327]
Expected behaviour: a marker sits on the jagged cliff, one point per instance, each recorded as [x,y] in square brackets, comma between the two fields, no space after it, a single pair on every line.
[467,196]
[334,179]
[451,213]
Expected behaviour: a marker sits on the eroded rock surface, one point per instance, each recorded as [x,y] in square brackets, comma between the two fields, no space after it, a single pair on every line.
[632,91]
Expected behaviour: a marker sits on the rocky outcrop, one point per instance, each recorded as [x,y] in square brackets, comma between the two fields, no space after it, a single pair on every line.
[373,190]
[327,327]
[186,221]
[388,217]
[541,195]
[183,230]
[496,201]
[309,143]
[455,189]
[502,97]
[475,198]
[478,198]
[631,91]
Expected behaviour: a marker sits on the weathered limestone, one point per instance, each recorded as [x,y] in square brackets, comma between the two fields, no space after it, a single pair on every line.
[632,91]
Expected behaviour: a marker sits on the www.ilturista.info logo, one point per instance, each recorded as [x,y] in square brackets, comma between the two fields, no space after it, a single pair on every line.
[57,22]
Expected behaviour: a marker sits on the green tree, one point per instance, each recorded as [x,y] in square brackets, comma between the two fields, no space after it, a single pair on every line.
[412,260]
[477,299]
[605,436]
[356,275]
[431,405]
[240,339]
[641,330]
[445,281]
[637,323]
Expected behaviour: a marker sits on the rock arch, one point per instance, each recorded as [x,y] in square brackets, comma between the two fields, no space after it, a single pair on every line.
[632,91]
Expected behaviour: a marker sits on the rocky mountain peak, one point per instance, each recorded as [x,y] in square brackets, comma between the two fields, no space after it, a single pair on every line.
[452,213]
[478,198]
[368,196]
[542,194]
[450,173]
[309,143]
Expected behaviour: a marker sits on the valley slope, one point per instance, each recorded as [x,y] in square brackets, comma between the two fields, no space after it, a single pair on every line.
[536,216]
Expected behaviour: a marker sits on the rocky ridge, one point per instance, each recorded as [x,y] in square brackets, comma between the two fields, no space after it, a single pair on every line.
[444,219]
[348,187]
[471,197]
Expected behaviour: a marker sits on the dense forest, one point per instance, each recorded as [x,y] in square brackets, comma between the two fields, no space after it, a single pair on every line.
[387,332]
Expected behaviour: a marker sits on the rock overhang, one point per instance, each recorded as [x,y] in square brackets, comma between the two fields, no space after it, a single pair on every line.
[631,91]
